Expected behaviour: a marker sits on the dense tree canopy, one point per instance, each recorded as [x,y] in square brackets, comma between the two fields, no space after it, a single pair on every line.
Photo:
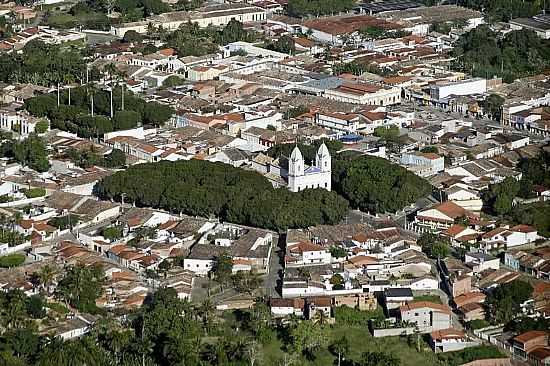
[76,117]
[504,10]
[81,287]
[368,183]
[499,197]
[29,152]
[42,64]
[301,8]
[191,40]
[482,52]
[377,185]
[503,303]
[433,245]
[212,189]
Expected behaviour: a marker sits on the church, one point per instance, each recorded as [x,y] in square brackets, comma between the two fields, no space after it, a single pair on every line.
[301,177]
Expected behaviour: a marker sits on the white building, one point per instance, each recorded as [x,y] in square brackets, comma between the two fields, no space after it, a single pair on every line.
[306,253]
[423,164]
[366,94]
[540,24]
[508,237]
[316,176]
[463,87]
[464,197]
[216,15]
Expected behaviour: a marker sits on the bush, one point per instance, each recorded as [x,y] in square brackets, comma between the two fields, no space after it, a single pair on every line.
[34,192]
[470,354]
[42,126]
[112,233]
[64,222]
[172,81]
[354,317]
[12,260]
[478,324]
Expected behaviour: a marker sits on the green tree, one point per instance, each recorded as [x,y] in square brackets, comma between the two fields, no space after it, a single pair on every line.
[341,348]
[337,282]
[81,287]
[308,337]
[379,359]
[125,120]
[503,303]
[492,105]
[35,307]
[112,233]
[222,268]
[132,36]
[433,245]
[42,126]
[499,197]
[172,81]
[32,152]
[115,159]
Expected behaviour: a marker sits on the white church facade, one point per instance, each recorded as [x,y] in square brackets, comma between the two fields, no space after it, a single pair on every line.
[301,177]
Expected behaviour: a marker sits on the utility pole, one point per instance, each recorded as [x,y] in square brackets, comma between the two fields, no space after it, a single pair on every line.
[111,90]
[122,87]
[58,93]
[92,100]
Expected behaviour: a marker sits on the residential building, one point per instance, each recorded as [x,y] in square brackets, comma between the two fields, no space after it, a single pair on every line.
[427,316]
[448,340]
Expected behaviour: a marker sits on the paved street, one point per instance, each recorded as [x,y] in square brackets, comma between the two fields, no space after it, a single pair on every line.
[273,278]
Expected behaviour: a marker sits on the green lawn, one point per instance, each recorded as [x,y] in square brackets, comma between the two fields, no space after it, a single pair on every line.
[360,341]
[431,298]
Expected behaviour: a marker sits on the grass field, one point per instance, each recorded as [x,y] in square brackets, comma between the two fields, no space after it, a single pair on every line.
[360,341]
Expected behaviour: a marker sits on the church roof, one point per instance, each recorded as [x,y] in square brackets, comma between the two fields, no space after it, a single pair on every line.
[312,169]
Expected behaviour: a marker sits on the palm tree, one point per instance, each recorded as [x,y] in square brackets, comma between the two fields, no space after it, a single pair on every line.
[207,311]
[68,79]
[320,318]
[46,276]
[91,91]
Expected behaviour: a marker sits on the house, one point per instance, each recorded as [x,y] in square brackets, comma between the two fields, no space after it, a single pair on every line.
[427,316]
[465,197]
[307,253]
[450,339]
[320,304]
[70,328]
[396,297]
[539,356]
[480,262]
[472,311]
[423,164]
[364,94]
[202,257]
[459,235]
[468,298]
[527,342]
[442,215]
[506,237]
[232,156]
[286,307]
